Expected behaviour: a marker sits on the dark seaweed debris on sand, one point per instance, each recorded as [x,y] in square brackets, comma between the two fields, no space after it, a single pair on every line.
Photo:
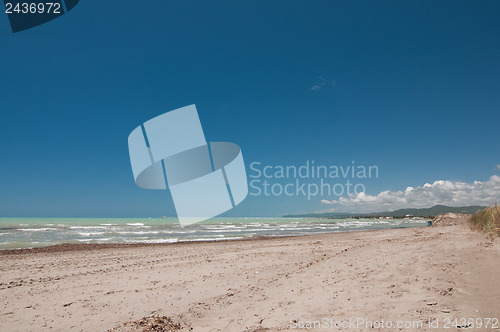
[155,324]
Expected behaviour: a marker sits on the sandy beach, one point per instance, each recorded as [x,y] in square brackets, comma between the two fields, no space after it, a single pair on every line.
[407,275]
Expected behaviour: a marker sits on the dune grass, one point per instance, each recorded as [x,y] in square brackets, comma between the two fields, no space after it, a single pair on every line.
[487,220]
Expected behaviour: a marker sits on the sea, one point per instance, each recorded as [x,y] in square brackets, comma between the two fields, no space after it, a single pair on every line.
[16,233]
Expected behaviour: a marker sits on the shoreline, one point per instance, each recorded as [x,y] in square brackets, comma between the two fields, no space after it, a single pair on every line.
[44,233]
[92,246]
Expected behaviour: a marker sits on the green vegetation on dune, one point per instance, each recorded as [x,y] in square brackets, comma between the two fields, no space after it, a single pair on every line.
[487,220]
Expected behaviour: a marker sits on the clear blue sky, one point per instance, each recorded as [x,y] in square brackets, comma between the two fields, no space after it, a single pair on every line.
[410,86]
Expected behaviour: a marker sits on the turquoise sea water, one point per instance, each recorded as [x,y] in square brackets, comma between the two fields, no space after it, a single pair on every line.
[40,232]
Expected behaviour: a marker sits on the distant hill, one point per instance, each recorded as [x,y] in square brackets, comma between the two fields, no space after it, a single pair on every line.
[425,212]
[429,212]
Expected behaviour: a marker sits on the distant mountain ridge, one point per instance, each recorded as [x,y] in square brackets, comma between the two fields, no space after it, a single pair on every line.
[424,212]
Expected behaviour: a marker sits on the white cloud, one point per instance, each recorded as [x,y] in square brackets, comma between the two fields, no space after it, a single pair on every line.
[325,211]
[498,167]
[440,192]
[321,83]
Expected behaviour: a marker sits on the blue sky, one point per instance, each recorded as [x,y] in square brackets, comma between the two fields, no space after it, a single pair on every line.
[411,87]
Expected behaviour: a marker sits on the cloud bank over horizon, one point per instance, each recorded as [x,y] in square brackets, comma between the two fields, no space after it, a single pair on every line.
[441,192]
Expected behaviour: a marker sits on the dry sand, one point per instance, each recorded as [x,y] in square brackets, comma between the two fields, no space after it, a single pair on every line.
[392,275]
